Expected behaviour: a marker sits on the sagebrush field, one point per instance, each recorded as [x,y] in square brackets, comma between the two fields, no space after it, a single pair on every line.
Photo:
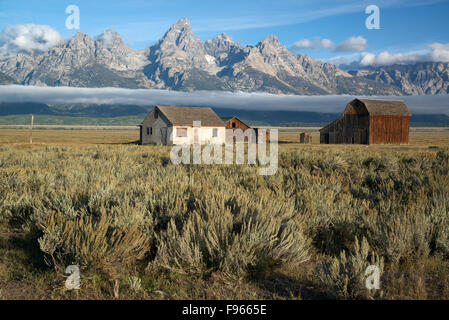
[140,227]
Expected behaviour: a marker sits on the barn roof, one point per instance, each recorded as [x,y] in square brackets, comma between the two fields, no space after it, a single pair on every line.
[238,120]
[385,107]
[331,124]
[184,116]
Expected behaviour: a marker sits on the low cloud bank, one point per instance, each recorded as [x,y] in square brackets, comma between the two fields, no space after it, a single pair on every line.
[218,99]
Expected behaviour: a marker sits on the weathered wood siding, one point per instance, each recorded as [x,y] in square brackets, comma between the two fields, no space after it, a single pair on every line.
[305,137]
[389,129]
[236,123]
[350,129]
[370,122]
[159,127]
[355,129]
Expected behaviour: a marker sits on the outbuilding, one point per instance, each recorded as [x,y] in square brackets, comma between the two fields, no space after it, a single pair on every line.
[235,123]
[368,121]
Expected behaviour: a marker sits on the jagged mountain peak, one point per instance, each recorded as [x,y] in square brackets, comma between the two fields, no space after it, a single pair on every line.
[221,46]
[80,39]
[181,61]
[220,40]
[224,37]
[180,37]
[122,56]
[184,22]
[270,40]
[271,46]
[80,36]
[180,26]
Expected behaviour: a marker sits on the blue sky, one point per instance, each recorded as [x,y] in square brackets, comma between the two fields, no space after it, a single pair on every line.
[407,27]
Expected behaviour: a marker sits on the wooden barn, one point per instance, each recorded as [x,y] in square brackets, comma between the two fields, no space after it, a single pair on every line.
[236,123]
[366,121]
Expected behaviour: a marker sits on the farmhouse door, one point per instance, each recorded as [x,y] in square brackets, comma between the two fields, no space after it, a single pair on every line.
[164,135]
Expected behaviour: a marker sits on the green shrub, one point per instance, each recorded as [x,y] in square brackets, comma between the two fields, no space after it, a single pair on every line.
[107,208]
[93,243]
[344,277]
[236,236]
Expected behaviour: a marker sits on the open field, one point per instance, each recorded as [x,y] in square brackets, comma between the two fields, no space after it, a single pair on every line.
[420,138]
[69,136]
[135,222]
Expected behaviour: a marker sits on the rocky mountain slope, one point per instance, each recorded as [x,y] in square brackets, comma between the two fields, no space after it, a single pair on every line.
[4,79]
[80,62]
[182,61]
[417,79]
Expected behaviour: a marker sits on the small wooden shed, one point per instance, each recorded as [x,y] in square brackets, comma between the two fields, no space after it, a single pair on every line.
[305,137]
[367,121]
[236,123]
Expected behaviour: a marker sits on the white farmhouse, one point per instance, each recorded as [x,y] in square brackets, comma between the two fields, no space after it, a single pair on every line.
[172,125]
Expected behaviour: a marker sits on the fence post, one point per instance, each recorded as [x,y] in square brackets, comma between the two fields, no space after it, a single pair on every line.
[31,129]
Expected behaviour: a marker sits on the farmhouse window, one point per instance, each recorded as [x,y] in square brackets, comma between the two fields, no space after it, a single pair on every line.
[233,124]
[214,132]
[181,132]
[149,130]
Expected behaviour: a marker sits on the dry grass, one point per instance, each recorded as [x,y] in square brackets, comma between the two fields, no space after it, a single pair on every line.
[21,137]
[126,215]
[420,138]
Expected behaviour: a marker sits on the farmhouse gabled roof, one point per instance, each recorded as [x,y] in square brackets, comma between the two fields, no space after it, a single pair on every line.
[185,116]
[385,107]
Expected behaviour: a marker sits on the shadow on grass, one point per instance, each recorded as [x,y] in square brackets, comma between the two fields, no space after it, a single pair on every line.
[283,286]
[26,247]
[121,143]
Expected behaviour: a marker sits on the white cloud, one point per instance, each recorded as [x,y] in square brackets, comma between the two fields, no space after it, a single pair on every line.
[106,38]
[326,43]
[304,44]
[312,44]
[436,52]
[15,38]
[215,99]
[352,44]
[439,52]
[344,59]
[386,58]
